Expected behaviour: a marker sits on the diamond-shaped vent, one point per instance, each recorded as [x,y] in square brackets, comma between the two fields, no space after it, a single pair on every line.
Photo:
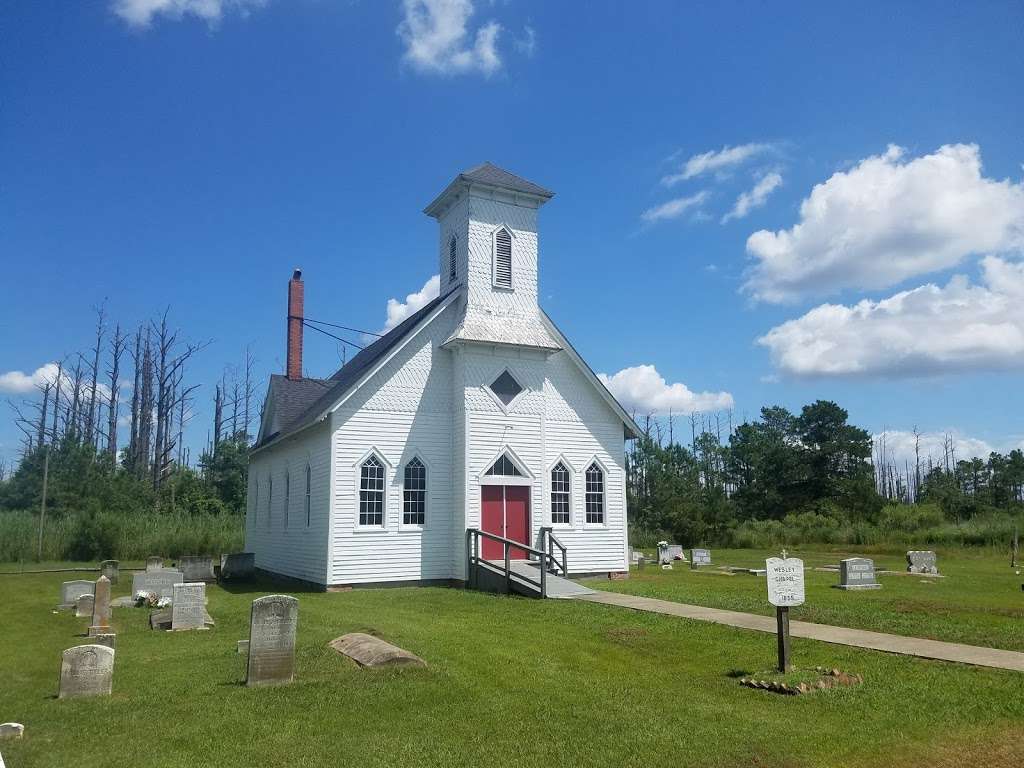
[506,388]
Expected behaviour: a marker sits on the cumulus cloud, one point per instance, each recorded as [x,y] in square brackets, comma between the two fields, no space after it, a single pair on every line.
[899,447]
[140,13]
[755,198]
[673,209]
[399,310]
[643,390]
[20,383]
[437,39]
[929,330]
[885,220]
[714,161]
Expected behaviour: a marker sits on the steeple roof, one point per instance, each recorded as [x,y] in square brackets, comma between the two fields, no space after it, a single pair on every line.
[489,175]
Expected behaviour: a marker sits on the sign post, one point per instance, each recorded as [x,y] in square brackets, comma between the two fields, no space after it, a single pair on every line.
[785,589]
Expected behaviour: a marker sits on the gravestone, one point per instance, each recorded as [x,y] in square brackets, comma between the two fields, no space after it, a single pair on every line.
[83,608]
[188,606]
[160,582]
[108,639]
[369,651]
[238,565]
[272,640]
[669,552]
[699,557]
[11,730]
[86,670]
[785,581]
[857,573]
[101,607]
[70,591]
[196,568]
[154,563]
[111,569]
[242,646]
[922,561]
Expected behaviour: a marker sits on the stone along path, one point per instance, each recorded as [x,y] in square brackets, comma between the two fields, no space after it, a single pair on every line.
[859,638]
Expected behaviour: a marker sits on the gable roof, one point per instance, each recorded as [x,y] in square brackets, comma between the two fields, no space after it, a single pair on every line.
[287,400]
[308,404]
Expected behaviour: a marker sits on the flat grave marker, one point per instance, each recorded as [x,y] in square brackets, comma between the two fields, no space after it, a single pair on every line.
[272,640]
[857,573]
[86,670]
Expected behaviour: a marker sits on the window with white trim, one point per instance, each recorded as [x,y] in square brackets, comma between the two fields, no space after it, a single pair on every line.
[559,494]
[371,492]
[307,494]
[595,494]
[504,466]
[287,496]
[506,388]
[503,258]
[414,502]
[452,263]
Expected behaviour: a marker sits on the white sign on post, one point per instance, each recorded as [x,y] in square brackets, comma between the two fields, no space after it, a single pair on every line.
[785,581]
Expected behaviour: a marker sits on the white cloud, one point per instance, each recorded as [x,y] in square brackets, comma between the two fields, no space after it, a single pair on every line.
[961,327]
[398,311]
[714,160]
[527,44]
[20,383]
[755,198]
[643,390]
[437,41]
[673,209]
[140,13]
[899,447]
[886,220]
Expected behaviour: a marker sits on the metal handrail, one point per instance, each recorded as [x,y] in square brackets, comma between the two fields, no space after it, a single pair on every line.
[473,536]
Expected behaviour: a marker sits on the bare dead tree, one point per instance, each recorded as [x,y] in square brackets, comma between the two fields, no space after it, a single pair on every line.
[117,348]
[249,390]
[94,371]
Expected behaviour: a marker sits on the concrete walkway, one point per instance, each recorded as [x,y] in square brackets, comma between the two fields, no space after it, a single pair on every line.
[858,638]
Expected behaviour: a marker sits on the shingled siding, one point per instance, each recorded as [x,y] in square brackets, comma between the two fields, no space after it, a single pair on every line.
[403,410]
[298,550]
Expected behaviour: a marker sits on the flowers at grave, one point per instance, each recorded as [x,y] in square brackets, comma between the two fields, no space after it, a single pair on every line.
[163,602]
[144,599]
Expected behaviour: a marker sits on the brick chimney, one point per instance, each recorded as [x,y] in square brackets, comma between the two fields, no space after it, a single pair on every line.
[295,317]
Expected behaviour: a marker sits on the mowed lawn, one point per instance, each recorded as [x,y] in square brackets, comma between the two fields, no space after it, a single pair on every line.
[511,682]
[979,602]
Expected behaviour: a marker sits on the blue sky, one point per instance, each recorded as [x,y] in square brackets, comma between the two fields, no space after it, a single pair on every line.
[766,204]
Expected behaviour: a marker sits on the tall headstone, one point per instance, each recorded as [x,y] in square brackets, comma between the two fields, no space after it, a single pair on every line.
[154,563]
[83,608]
[70,591]
[272,640]
[922,561]
[857,573]
[238,565]
[101,608]
[86,670]
[196,568]
[699,557]
[188,609]
[111,569]
[159,582]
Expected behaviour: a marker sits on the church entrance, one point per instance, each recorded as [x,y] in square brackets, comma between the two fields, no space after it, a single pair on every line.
[505,512]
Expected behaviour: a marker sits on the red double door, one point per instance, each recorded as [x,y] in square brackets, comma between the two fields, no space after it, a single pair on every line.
[505,512]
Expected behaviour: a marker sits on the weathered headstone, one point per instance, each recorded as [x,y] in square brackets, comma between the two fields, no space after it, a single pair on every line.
[159,582]
[83,608]
[108,639]
[111,569]
[699,557]
[86,670]
[242,646]
[785,581]
[272,640]
[154,563]
[188,606]
[101,607]
[857,573]
[369,651]
[922,561]
[11,730]
[70,591]
[238,565]
[670,552]
[196,568]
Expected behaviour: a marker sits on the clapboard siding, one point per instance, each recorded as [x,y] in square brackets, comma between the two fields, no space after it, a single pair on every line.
[298,550]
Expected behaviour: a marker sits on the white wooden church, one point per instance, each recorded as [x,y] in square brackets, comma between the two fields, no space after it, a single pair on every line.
[473,413]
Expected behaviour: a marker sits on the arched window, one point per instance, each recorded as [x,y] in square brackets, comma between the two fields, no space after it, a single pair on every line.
[503,258]
[414,503]
[559,494]
[307,494]
[371,492]
[504,466]
[270,501]
[287,496]
[452,265]
[595,494]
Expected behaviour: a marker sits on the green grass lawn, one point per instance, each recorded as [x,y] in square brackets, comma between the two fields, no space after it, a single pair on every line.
[511,682]
[979,601]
